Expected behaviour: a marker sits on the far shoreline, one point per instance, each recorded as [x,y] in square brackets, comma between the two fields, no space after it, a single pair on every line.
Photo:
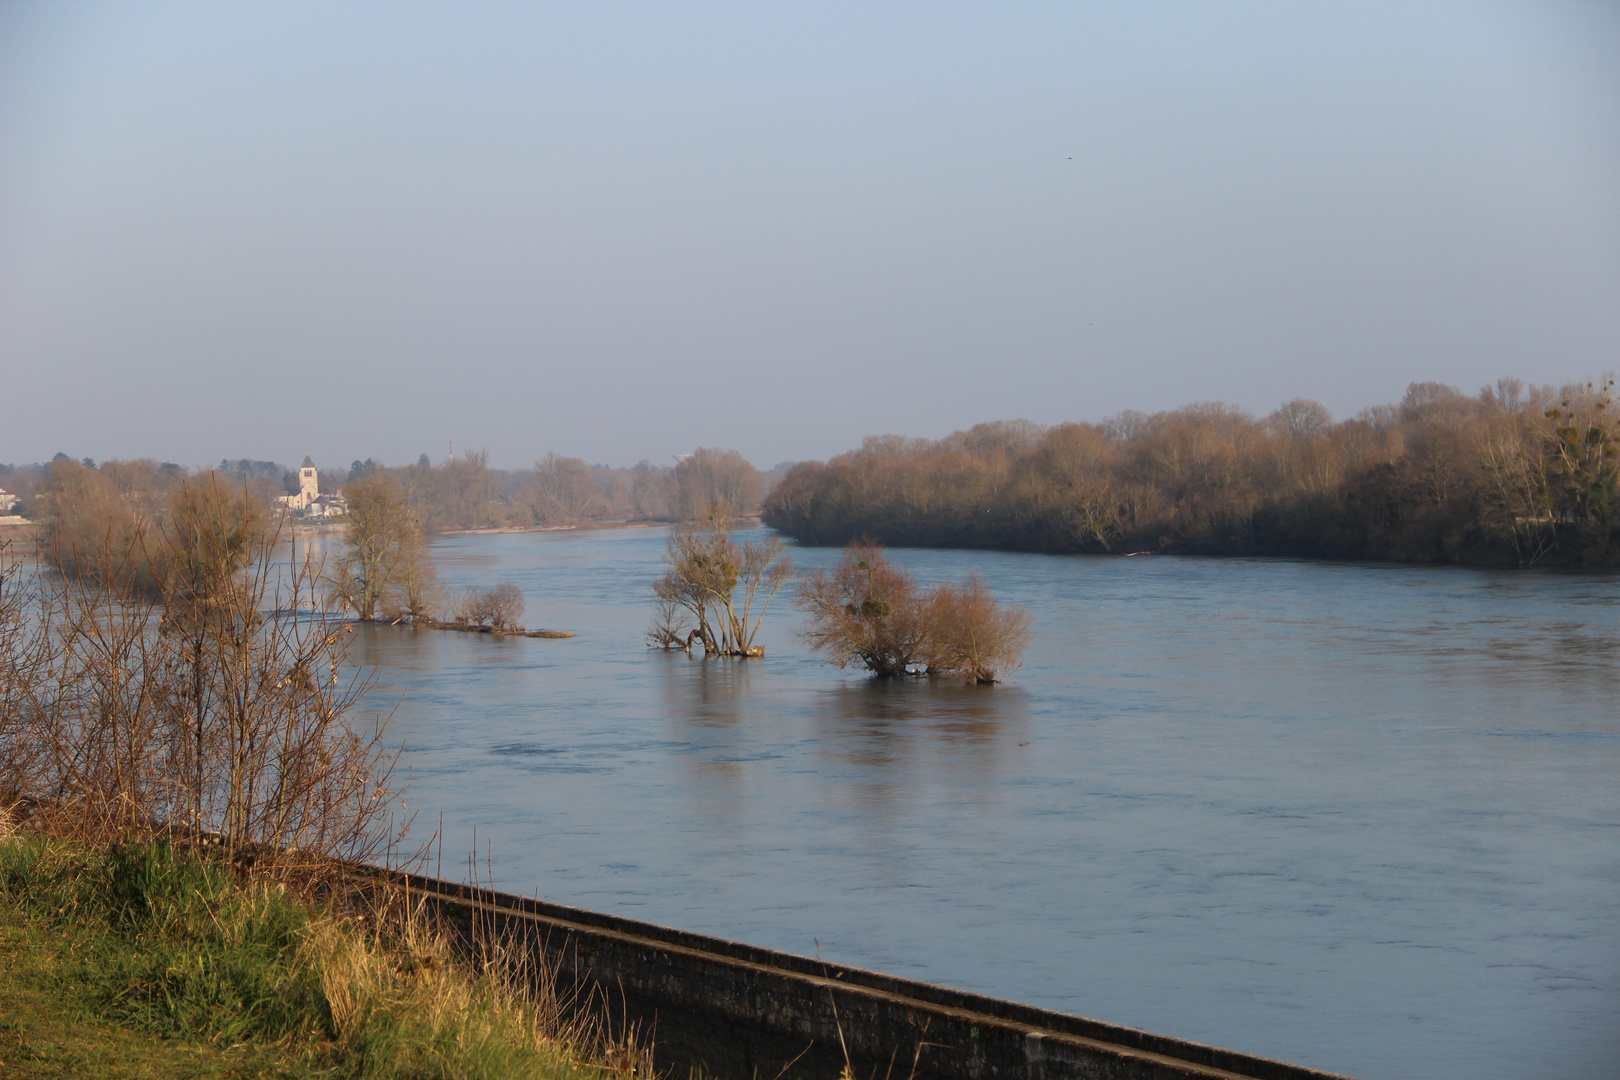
[578,526]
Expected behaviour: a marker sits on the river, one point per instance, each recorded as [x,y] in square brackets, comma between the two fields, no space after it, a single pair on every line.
[1363,818]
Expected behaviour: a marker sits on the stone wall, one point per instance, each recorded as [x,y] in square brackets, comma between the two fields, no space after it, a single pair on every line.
[740,1013]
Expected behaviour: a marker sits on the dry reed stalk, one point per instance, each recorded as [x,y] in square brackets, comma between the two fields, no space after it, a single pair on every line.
[225,709]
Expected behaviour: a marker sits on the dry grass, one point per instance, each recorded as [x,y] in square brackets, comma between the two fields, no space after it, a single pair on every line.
[188,951]
[184,792]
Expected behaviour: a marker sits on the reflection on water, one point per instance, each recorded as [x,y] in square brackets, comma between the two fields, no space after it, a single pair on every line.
[875,736]
[886,733]
[1360,817]
[705,693]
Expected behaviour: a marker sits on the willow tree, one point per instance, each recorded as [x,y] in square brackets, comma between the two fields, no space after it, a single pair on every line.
[868,612]
[382,540]
[715,591]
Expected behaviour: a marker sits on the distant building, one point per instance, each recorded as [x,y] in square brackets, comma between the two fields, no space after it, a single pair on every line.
[7,502]
[309,502]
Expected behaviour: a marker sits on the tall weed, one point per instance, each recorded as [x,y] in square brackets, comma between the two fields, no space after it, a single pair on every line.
[178,944]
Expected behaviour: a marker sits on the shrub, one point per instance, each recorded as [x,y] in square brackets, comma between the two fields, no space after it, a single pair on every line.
[716,590]
[500,607]
[869,612]
[221,709]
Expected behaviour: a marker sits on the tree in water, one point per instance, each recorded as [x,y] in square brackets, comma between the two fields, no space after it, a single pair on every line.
[869,612]
[716,591]
[415,594]
[972,636]
[499,608]
[383,541]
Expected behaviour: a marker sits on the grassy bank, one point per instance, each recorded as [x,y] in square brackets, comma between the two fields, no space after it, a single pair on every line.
[140,960]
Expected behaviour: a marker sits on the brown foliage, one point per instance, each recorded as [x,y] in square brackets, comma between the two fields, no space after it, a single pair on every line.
[138,521]
[563,491]
[707,478]
[467,494]
[869,612]
[716,591]
[383,536]
[1514,475]
[500,607]
[973,636]
[214,710]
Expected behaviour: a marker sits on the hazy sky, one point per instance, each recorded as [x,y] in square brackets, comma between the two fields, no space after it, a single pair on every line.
[619,231]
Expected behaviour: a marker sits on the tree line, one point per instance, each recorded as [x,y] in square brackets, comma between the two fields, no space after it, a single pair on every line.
[80,501]
[1512,476]
[120,526]
[466,493]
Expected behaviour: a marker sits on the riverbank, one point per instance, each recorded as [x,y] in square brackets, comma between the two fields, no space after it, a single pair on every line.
[148,960]
[725,1009]
[145,961]
[576,526]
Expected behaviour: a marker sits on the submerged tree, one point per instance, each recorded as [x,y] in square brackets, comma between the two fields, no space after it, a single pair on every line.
[869,612]
[382,542]
[716,591]
[415,593]
[972,636]
[499,608]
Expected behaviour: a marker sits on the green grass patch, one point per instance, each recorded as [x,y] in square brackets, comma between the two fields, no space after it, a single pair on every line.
[138,960]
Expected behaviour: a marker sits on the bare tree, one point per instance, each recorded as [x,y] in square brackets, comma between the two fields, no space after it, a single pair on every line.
[973,637]
[563,491]
[381,526]
[708,477]
[1515,475]
[1300,418]
[99,519]
[1517,499]
[1580,441]
[504,605]
[724,588]
[499,608]
[671,627]
[415,593]
[222,709]
[468,609]
[869,612]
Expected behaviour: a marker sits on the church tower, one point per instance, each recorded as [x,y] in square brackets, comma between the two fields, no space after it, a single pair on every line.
[309,488]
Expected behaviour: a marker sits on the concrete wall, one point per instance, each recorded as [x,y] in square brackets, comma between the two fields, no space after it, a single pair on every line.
[738,1012]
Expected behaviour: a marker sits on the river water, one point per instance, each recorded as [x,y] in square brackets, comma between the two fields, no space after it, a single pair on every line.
[1363,818]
